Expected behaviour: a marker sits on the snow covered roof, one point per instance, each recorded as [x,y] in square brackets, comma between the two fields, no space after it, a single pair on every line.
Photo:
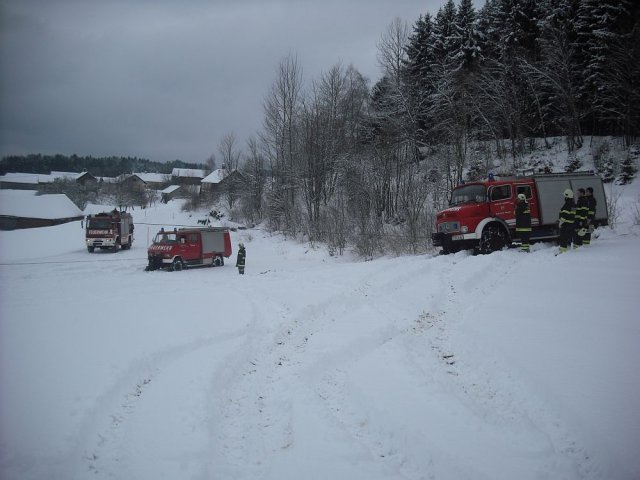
[33,178]
[189,172]
[26,204]
[214,177]
[170,189]
[66,175]
[151,177]
[108,179]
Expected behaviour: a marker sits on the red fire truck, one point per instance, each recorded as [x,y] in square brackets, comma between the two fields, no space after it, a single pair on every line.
[189,247]
[481,214]
[109,231]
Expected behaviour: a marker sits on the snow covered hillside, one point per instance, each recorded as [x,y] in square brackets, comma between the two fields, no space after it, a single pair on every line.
[505,366]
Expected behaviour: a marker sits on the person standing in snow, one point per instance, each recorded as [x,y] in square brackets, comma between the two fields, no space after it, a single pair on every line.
[240,261]
[591,215]
[580,223]
[523,221]
[566,220]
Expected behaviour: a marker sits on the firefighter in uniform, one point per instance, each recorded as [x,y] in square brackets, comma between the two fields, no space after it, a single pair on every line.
[591,215]
[566,220]
[580,224]
[523,221]
[242,255]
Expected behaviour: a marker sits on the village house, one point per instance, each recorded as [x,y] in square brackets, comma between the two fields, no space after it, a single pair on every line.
[220,181]
[151,181]
[26,209]
[171,192]
[31,181]
[187,176]
[82,178]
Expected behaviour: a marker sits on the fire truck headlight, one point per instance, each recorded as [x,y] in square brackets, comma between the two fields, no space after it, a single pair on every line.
[464,229]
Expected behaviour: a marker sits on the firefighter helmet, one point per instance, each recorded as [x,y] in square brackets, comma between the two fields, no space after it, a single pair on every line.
[521,197]
[568,193]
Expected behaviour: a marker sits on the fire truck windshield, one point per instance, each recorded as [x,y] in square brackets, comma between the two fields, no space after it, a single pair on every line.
[468,193]
[165,237]
[99,223]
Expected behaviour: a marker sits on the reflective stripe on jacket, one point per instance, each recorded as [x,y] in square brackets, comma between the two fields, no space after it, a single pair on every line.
[582,210]
[568,211]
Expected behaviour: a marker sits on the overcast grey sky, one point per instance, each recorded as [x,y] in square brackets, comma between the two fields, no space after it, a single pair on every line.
[163,79]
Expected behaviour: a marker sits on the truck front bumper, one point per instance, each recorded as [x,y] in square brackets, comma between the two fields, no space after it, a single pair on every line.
[101,242]
[155,262]
[440,239]
[454,242]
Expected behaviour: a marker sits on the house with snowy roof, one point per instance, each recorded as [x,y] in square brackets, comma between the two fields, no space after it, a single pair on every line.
[27,209]
[221,180]
[152,181]
[187,176]
[169,193]
[81,178]
[22,181]
[31,181]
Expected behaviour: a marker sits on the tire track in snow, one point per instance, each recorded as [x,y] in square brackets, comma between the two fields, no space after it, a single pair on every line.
[256,421]
[479,387]
[478,377]
[105,435]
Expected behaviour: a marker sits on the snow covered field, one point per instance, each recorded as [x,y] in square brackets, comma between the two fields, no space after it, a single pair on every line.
[506,366]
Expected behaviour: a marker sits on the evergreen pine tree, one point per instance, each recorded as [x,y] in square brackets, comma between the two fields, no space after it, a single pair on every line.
[605,39]
[628,171]
[468,51]
[417,72]
[446,41]
[608,171]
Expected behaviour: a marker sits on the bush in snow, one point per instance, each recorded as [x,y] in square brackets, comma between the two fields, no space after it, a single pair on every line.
[573,164]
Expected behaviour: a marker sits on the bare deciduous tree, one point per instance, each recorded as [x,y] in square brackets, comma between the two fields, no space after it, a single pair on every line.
[229,153]
[255,175]
[280,140]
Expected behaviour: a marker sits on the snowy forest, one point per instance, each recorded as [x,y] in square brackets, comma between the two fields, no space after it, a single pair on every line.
[464,91]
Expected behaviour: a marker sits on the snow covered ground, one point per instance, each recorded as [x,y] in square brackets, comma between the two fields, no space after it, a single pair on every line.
[506,366]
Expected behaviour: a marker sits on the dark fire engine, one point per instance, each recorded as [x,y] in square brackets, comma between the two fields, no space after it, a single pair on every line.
[109,231]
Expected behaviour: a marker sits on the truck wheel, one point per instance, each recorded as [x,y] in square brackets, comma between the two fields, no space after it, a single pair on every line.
[493,239]
[91,249]
[176,266]
[127,245]
[218,261]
